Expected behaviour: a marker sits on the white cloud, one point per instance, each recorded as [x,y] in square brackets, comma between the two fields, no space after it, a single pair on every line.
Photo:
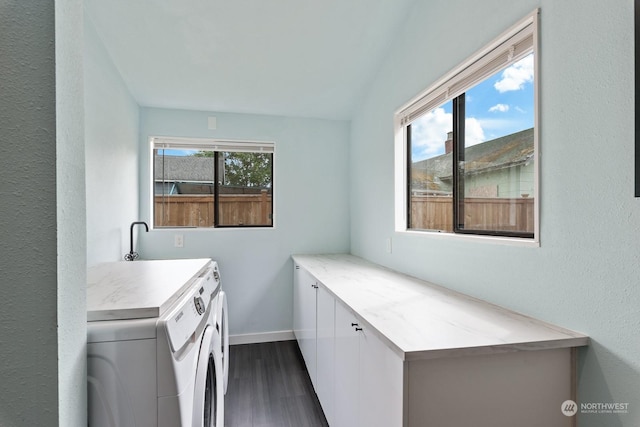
[473,132]
[429,133]
[501,108]
[515,77]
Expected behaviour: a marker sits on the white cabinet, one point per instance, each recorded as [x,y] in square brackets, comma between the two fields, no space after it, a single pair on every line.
[325,352]
[314,329]
[368,376]
[347,376]
[304,318]
[386,350]
[357,378]
[381,383]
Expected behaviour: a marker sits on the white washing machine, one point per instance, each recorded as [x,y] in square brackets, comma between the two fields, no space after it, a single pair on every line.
[220,320]
[154,354]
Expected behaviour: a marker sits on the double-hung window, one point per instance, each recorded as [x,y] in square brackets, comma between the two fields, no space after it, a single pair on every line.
[211,183]
[467,148]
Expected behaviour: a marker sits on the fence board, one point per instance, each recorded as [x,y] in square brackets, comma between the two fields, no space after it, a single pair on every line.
[198,210]
[480,213]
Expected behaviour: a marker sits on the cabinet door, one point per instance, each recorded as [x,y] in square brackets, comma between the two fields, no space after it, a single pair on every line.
[304,318]
[325,352]
[381,383]
[297,302]
[347,353]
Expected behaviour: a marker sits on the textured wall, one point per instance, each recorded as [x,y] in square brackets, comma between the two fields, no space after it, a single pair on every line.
[72,242]
[111,134]
[585,274]
[28,270]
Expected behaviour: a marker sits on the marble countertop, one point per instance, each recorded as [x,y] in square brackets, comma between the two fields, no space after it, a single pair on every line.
[138,289]
[420,320]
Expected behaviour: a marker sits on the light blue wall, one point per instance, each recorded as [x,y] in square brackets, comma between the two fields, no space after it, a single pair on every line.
[111,151]
[311,210]
[585,274]
[71,221]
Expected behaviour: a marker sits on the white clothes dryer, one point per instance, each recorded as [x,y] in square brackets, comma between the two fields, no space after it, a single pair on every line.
[221,320]
[149,371]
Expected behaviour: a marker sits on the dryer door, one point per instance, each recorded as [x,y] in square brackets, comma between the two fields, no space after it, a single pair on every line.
[223,327]
[208,409]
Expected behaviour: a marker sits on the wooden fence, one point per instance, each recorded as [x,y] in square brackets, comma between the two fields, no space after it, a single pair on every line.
[427,212]
[186,210]
[500,214]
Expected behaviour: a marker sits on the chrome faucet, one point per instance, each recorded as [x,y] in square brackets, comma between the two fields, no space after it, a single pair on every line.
[132,256]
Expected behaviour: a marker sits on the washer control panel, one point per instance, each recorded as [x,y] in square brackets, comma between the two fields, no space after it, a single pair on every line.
[200,305]
[182,322]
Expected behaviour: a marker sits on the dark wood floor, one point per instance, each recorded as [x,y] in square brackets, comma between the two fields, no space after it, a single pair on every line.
[270,387]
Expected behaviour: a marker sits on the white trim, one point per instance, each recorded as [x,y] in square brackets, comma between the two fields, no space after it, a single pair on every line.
[226,229]
[211,144]
[400,173]
[261,337]
[150,184]
[536,128]
[478,238]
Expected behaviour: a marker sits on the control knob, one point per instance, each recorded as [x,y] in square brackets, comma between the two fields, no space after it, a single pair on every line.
[199,303]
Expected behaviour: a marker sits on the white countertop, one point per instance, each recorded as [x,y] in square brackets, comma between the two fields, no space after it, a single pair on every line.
[420,320]
[138,289]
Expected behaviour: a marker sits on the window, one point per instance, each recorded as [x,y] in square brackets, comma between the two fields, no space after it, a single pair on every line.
[212,183]
[466,149]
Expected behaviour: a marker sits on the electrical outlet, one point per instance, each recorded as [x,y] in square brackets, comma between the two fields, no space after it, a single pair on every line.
[178,240]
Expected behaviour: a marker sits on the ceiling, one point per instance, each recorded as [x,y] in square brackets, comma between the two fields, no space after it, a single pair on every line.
[296,58]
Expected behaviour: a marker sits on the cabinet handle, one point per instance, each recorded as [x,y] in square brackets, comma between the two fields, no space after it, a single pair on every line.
[314,286]
[358,329]
[354,324]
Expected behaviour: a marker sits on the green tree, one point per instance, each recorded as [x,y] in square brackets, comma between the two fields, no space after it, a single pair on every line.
[244,169]
[247,169]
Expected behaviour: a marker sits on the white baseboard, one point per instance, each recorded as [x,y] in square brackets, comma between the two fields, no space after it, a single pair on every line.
[261,337]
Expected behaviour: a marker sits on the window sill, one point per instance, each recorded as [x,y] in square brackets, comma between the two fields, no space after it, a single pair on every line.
[498,240]
[189,229]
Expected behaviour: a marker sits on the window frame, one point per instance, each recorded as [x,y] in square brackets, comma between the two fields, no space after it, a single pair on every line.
[512,45]
[217,146]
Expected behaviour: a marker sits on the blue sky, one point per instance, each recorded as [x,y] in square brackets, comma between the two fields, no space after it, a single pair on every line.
[501,105]
[175,152]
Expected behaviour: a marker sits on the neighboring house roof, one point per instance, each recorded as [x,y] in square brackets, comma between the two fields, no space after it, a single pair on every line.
[435,174]
[511,150]
[193,175]
[184,168]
